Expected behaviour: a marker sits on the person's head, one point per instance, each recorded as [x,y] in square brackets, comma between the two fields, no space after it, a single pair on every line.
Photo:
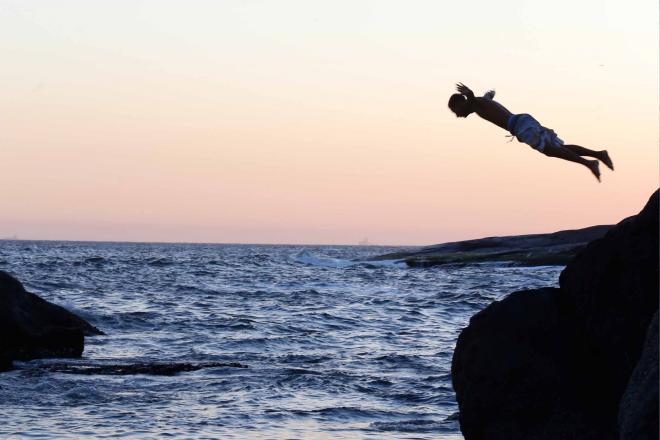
[459,105]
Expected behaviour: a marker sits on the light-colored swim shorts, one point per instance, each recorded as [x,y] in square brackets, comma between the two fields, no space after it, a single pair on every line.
[529,131]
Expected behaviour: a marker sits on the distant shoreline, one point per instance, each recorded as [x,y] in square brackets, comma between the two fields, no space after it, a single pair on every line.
[556,248]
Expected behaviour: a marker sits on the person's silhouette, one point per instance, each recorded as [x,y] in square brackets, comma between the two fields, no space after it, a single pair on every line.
[525,128]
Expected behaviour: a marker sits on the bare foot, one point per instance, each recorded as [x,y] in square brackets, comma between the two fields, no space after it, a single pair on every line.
[605,158]
[593,166]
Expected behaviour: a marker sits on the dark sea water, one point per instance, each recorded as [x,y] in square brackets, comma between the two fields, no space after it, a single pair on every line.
[334,349]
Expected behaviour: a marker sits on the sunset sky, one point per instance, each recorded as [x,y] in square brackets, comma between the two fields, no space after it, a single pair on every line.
[318,121]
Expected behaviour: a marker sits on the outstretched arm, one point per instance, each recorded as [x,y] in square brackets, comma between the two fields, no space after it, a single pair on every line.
[489,95]
[469,94]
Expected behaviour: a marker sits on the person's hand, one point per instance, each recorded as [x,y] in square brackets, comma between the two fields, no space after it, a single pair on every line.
[489,95]
[464,90]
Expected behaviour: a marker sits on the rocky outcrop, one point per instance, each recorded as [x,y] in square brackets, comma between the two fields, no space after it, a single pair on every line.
[554,363]
[556,248]
[514,371]
[31,327]
[6,363]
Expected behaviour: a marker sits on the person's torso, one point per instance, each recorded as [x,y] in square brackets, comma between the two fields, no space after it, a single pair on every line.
[494,112]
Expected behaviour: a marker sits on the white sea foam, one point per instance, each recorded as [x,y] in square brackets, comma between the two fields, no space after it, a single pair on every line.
[305,257]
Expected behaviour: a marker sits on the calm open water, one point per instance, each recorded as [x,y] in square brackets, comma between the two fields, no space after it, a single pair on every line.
[335,349]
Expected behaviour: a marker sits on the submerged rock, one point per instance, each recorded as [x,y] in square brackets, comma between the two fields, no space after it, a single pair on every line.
[31,327]
[554,363]
[157,369]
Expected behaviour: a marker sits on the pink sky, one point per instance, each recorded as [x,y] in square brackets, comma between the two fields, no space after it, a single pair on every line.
[317,122]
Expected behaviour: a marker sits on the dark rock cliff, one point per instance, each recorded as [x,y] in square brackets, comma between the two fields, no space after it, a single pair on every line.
[555,363]
[31,327]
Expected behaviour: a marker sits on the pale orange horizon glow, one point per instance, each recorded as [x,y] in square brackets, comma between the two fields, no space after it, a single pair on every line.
[318,122]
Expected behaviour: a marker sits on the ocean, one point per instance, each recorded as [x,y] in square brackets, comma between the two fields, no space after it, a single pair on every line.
[334,348]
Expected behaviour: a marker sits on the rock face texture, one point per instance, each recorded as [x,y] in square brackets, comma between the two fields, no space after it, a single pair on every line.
[31,327]
[638,413]
[555,363]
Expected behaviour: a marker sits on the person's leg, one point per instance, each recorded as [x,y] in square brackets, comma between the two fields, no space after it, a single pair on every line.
[600,155]
[581,151]
[568,154]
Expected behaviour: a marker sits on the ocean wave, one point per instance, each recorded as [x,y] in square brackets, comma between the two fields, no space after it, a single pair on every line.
[306,257]
[129,320]
[160,262]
